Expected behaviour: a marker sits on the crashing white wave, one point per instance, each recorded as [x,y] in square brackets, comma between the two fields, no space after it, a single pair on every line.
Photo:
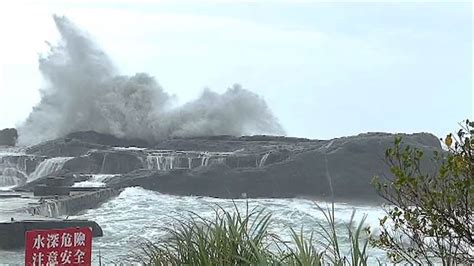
[85,92]
[95,181]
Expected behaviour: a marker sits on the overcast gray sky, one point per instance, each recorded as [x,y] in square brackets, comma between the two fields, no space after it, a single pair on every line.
[325,69]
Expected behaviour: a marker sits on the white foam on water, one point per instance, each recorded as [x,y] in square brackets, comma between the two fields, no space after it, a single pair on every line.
[94,181]
[137,213]
[89,184]
[7,188]
[128,149]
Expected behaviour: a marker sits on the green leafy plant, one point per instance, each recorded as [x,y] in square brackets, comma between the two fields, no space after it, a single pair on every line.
[357,234]
[429,215]
[227,239]
[236,238]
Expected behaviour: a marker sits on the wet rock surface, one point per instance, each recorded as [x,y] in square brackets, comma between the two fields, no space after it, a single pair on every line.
[263,166]
[64,147]
[227,166]
[69,205]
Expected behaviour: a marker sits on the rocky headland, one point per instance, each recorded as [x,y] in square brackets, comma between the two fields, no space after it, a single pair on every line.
[219,166]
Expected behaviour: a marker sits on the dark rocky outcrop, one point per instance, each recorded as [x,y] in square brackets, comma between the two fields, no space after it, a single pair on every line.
[349,163]
[82,164]
[106,139]
[117,162]
[106,162]
[227,166]
[228,143]
[64,147]
[44,190]
[8,137]
[66,180]
[70,205]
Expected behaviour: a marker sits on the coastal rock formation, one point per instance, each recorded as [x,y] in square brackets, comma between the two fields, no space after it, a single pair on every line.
[105,162]
[8,137]
[104,139]
[340,168]
[64,147]
[70,205]
[228,166]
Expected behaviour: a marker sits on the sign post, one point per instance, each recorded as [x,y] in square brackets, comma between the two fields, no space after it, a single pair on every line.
[69,246]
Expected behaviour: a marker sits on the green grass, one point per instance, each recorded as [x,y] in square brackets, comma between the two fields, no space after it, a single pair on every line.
[236,238]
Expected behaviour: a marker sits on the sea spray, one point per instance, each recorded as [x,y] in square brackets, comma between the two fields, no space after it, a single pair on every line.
[86,92]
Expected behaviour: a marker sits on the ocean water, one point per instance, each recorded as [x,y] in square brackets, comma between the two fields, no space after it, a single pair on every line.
[138,214]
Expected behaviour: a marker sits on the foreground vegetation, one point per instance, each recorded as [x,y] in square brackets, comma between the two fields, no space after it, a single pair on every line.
[235,238]
[429,220]
[430,215]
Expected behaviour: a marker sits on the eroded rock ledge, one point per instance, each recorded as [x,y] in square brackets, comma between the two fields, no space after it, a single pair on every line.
[227,166]
[69,205]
